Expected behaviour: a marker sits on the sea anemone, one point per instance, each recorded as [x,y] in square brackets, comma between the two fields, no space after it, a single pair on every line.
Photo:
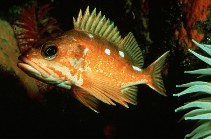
[199,109]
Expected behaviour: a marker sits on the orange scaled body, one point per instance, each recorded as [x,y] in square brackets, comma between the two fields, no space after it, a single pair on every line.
[104,59]
[95,61]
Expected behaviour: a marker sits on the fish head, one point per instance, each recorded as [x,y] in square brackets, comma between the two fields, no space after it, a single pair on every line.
[53,61]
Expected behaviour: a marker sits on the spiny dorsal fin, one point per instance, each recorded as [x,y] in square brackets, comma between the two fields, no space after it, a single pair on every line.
[98,25]
[130,46]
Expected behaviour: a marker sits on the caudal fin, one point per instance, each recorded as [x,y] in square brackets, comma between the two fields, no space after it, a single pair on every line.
[155,70]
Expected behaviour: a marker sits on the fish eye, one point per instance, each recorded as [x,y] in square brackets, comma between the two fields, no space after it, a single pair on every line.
[49,51]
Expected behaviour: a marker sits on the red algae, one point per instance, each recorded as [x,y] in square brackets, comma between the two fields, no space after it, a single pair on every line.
[33,25]
[193,10]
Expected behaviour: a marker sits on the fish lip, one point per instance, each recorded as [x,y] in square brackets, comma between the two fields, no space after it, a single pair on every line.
[30,67]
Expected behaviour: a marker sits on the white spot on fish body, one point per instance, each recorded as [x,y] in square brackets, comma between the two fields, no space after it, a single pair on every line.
[107,51]
[136,68]
[122,54]
[76,63]
[90,35]
[85,51]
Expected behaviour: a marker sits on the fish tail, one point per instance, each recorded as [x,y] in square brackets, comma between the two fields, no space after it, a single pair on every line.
[154,70]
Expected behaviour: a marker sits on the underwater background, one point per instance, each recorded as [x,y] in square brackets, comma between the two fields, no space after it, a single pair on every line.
[157,25]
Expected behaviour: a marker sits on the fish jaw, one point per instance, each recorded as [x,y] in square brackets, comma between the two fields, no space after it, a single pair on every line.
[36,72]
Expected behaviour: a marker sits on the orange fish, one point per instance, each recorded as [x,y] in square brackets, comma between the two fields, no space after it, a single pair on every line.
[95,61]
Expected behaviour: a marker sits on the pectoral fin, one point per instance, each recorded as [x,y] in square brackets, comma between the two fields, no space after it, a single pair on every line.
[108,92]
[87,99]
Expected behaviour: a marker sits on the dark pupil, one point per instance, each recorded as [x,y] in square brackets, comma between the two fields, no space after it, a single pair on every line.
[50,51]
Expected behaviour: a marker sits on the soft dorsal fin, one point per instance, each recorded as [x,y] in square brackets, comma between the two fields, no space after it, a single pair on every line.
[130,46]
[98,25]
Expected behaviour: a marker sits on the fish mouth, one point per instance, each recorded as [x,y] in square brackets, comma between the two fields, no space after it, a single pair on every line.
[31,68]
[35,71]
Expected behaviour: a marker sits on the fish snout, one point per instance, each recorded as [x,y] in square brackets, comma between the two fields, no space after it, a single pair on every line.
[20,58]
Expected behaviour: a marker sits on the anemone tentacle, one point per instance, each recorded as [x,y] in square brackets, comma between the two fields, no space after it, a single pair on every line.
[199,109]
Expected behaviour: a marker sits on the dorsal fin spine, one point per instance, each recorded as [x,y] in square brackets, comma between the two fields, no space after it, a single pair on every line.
[111,33]
[89,22]
[74,22]
[79,18]
[95,22]
[103,27]
[118,40]
[107,31]
[116,34]
[100,24]
[85,18]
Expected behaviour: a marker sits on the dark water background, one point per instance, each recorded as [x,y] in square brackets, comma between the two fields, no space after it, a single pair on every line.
[61,116]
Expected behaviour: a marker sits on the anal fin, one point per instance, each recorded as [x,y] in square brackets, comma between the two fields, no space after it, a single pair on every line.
[130,94]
